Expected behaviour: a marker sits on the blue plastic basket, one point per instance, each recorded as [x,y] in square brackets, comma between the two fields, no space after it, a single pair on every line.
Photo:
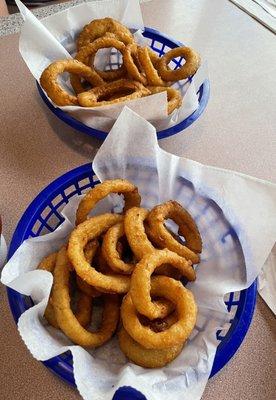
[43,216]
[160,43]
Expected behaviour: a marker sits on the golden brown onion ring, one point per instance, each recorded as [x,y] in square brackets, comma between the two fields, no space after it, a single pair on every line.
[177,333]
[99,192]
[154,57]
[88,230]
[189,68]
[87,56]
[135,231]
[110,252]
[84,306]
[96,97]
[147,358]
[139,241]
[132,63]
[57,94]
[187,228]
[48,264]
[140,286]
[99,27]
[89,252]
[68,323]
[173,96]
[145,58]
[160,324]
[84,309]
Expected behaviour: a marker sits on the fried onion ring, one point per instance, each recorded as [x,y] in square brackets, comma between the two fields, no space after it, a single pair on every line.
[177,333]
[189,68]
[97,193]
[187,228]
[65,317]
[145,57]
[140,287]
[84,309]
[84,306]
[110,251]
[173,96]
[88,230]
[139,241]
[89,252]
[87,55]
[132,63]
[96,97]
[99,27]
[57,94]
[135,232]
[147,358]
[154,57]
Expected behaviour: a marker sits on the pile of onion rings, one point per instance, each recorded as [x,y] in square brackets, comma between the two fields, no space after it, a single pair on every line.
[142,72]
[131,263]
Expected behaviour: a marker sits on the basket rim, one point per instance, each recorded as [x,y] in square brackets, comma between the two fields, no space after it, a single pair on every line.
[204,95]
[225,350]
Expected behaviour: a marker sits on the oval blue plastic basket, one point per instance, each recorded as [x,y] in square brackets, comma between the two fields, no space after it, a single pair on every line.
[160,43]
[43,216]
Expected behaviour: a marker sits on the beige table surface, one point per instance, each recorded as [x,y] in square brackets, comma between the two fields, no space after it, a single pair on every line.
[237,131]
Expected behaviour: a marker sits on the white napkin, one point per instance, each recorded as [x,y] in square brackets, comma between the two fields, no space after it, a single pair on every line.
[53,38]
[222,202]
[267,281]
[263,11]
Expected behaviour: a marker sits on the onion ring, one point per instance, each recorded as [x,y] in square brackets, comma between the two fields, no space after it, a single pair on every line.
[84,309]
[176,334]
[99,27]
[97,193]
[65,317]
[84,232]
[154,57]
[57,94]
[141,282]
[160,324]
[87,55]
[189,68]
[187,228]
[145,58]
[135,232]
[139,241]
[48,264]
[89,252]
[147,358]
[84,306]
[173,96]
[132,63]
[92,98]
[110,252]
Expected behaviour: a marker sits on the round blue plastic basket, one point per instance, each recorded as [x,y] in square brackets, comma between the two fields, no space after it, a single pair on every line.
[44,215]
[160,43]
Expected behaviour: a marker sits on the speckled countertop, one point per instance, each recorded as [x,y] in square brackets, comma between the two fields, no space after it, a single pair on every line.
[12,23]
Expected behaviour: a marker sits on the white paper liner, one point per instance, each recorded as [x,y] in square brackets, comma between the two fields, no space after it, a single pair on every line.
[267,281]
[42,42]
[248,204]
